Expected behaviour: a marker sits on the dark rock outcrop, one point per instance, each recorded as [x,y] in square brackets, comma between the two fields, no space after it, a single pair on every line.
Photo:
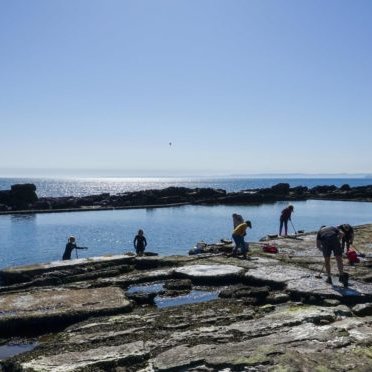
[20,196]
[23,198]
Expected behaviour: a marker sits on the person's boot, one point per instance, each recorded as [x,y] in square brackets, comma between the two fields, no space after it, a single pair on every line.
[344,279]
[329,280]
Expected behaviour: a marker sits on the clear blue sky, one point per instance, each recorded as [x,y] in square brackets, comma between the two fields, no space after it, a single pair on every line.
[237,86]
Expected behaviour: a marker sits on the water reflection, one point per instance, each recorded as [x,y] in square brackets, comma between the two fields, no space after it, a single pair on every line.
[195,296]
[347,292]
[146,288]
[23,217]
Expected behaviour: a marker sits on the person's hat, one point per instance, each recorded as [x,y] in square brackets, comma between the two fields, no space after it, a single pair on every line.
[249,224]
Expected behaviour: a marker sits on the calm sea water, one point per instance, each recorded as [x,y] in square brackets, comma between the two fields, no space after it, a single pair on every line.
[26,239]
[91,186]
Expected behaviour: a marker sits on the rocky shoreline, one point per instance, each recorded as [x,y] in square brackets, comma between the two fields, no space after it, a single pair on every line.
[22,198]
[205,312]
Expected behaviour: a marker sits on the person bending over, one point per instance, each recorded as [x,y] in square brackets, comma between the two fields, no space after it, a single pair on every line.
[284,217]
[238,237]
[328,241]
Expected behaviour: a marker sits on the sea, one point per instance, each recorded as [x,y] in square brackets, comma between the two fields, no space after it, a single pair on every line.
[40,238]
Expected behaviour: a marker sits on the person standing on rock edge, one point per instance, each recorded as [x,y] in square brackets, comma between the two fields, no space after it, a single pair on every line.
[328,241]
[71,244]
[348,237]
[140,243]
[238,236]
[237,219]
[284,217]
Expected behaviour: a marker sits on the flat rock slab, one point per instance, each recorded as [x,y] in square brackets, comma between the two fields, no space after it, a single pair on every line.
[57,307]
[135,278]
[273,340]
[210,273]
[18,274]
[356,290]
[103,357]
[279,273]
[299,245]
[303,281]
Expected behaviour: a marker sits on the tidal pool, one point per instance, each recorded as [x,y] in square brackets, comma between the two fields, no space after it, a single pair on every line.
[37,238]
[195,296]
[11,349]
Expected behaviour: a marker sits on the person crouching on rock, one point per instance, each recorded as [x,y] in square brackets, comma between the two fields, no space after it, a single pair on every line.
[71,244]
[238,236]
[328,241]
[140,243]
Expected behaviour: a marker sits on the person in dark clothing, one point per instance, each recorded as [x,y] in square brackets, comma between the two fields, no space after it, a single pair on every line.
[328,241]
[284,217]
[71,244]
[348,237]
[237,219]
[140,243]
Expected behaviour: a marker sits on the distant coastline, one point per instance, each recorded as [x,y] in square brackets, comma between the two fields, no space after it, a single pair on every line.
[85,186]
[23,198]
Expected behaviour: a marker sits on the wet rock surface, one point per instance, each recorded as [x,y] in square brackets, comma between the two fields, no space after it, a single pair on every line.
[49,308]
[194,313]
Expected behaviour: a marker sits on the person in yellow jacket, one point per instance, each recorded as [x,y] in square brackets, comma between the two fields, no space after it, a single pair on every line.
[238,236]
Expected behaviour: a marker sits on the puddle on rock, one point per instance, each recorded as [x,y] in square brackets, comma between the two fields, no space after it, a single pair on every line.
[195,296]
[9,350]
[146,288]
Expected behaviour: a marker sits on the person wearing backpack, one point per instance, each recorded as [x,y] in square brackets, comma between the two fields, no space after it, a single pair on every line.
[238,236]
[328,240]
[284,218]
[237,219]
[348,237]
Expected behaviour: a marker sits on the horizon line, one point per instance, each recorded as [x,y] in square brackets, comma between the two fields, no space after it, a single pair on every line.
[105,174]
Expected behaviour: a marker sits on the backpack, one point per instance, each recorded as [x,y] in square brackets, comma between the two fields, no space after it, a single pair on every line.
[352,257]
[270,248]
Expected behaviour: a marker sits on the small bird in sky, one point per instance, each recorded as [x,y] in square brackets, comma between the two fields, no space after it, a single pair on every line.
[170,143]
